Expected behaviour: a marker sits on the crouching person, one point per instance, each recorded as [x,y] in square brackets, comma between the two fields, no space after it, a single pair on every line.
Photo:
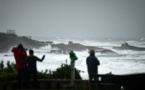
[31,65]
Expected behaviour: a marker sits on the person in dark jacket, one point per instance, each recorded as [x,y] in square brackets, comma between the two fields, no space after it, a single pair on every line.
[31,65]
[92,63]
[20,56]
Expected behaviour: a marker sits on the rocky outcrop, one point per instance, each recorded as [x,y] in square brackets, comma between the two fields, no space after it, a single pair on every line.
[107,52]
[65,48]
[9,40]
[72,46]
[126,46]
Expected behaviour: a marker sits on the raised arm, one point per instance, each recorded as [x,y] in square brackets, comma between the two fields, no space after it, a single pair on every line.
[41,58]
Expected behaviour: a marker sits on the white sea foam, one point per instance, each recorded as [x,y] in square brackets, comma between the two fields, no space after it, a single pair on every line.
[125,62]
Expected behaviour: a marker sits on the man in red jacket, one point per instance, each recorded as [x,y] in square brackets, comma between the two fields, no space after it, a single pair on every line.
[20,56]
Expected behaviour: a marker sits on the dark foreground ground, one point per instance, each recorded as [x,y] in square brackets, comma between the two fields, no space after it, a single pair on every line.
[127,82]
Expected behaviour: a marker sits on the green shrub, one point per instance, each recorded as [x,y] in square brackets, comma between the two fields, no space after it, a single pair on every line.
[9,73]
[64,72]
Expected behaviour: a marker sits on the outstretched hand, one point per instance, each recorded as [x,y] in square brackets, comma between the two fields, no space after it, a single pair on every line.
[43,57]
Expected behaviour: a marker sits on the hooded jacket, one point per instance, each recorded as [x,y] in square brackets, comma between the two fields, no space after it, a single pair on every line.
[73,56]
[20,56]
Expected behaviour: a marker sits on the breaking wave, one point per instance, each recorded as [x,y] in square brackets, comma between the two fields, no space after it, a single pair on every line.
[124,62]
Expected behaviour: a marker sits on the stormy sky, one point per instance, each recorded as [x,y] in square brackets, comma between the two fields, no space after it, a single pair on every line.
[74,18]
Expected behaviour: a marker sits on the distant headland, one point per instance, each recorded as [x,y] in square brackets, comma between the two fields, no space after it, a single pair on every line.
[10,39]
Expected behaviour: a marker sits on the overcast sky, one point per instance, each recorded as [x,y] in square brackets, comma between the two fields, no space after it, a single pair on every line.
[74,18]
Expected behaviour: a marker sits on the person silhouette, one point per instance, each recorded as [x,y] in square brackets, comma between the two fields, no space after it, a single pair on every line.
[31,65]
[20,56]
[92,63]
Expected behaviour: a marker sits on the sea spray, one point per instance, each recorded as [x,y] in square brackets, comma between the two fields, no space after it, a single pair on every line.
[124,62]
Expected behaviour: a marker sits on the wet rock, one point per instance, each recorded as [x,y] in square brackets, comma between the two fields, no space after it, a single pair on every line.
[79,47]
[126,46]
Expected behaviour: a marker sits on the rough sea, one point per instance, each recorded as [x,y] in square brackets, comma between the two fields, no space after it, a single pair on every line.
[124,62]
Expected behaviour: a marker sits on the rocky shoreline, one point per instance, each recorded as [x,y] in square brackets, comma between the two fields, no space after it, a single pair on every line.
[65,48]
[9,40]
[126,46]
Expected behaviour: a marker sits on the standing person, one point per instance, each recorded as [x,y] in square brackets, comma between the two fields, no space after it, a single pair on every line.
[73,58]
[31,62]
[20,56]
[92,63]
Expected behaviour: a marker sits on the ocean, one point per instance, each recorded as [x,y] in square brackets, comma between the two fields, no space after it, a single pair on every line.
[124,62]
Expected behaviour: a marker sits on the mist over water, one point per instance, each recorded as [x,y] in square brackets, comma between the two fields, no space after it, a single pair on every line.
[80,20]
[125,62]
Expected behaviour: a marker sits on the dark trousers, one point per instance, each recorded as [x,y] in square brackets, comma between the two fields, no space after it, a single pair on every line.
[20,78]
[93,85]
[33,75]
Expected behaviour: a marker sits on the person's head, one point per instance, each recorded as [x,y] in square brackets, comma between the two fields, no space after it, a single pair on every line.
[31,52]
[92,52]
[20,46]
[71,51]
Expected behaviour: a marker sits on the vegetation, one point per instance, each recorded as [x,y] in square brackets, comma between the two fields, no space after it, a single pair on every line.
[64,72]
[9,73]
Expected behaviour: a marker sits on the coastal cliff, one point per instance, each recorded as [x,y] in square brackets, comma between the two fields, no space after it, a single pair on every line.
[9,40]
